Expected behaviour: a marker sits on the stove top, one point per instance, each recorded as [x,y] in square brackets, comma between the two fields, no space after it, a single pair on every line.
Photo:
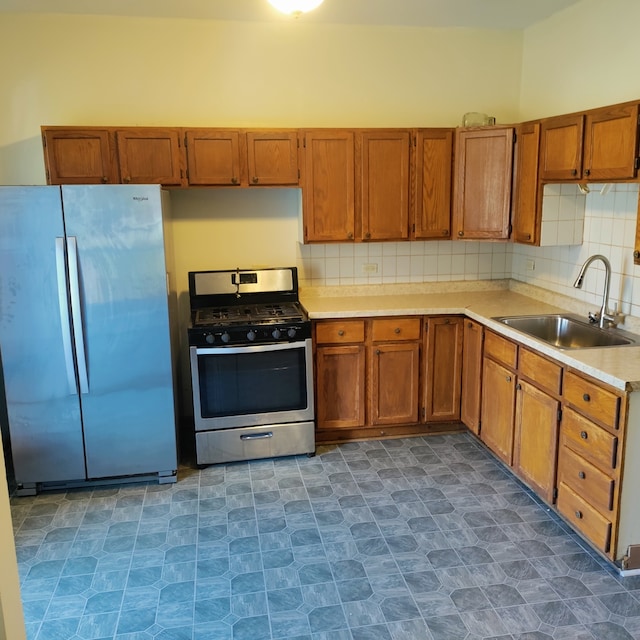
[248,314]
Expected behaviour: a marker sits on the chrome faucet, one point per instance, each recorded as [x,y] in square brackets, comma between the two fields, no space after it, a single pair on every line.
[603,318]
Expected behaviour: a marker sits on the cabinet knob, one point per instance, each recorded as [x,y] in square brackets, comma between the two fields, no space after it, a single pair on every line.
[519,387]
[105,179]
[367,235]
[377,352]
[470,325]
[350,235]
[584,435]
[581,475]
[445,232]
[254,180]
[126,180]
[574,172]
[586,397]
[461,233]
[447,321]
[587,172]
[579,515]
[636,254]
[528,236]
[341,332]
[508,378]
[234,180]
[396,330]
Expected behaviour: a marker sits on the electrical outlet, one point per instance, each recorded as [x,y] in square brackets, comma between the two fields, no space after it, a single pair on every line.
[370,267]
[530,265]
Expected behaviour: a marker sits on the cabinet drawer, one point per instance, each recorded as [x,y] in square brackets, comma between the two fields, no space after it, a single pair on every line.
[591,399]
[501,349]
[395,329]
[589,440]
[339,331]
[584,517]
[546,374]
[586,480]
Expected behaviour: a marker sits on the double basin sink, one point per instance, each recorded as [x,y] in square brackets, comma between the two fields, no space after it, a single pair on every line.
[565,331]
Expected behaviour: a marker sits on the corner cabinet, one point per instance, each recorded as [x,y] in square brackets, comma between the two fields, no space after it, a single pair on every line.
[482,183]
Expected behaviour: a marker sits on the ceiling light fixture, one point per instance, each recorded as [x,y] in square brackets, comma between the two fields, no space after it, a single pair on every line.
[295,7]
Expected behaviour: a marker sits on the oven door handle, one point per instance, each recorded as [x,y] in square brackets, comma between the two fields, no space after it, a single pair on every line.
[257,436]
[253,348]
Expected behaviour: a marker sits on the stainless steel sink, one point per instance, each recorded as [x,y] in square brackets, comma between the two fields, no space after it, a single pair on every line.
[566,331]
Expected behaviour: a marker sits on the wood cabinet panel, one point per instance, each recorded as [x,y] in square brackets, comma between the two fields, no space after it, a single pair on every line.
[592,400]
[498,408]
[561,147]
[383,171]
[611,143]
[589,440]
[150,156]
[527,201]
[482,184]
[79,156]
[393,376]
[213,157]
[501,349]
[328,185]
[584,517]
[471,375]
[340,386]
[586,480]
[545,374]
[395,329]
[272,158]
[339,331]
[433,173]
[443,371]
[536,438]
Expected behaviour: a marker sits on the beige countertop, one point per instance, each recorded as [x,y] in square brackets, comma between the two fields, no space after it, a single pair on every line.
[617,366]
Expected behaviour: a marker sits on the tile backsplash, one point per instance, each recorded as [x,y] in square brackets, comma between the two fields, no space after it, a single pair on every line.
[606,218]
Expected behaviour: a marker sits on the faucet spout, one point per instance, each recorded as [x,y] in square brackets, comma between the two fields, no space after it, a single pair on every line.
[604,315]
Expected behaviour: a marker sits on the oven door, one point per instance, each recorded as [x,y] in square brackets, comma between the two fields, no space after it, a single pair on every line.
[252,385]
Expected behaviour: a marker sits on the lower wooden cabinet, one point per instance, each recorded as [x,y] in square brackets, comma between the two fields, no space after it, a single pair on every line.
[471,387]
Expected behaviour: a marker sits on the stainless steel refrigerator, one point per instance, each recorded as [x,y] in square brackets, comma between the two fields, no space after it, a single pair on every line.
[84,335]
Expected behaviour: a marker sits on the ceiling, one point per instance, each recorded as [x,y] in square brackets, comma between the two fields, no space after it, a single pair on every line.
[494,14]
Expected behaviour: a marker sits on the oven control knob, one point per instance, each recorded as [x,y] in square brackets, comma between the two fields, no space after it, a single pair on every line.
[291,333]
[251,335]
[210,338]
[225,337]
[276,333]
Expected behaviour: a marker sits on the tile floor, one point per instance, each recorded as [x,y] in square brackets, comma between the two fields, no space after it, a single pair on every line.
[413,539]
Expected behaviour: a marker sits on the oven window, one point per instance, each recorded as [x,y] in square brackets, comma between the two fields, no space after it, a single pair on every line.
[253,382]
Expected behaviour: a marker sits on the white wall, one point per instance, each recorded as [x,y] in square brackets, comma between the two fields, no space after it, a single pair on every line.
[585,56]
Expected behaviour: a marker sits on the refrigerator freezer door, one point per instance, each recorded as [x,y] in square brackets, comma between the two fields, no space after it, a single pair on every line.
[42,397]
[128,411]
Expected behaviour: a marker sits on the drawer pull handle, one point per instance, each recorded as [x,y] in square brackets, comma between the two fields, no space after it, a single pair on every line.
[579,515]
[341,332]
[586,397]
[396,330]
[257,436]
[581,475]
[584,435]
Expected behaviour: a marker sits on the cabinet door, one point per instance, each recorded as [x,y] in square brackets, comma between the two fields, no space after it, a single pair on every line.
[471,375]
[611,143]
[482,185]
[150,156]
[393,377]
[498,400]
[78,156]
[527,202]
[383,184]
[433,165]
[328,186]
[536,439]
[443,369]
[272,157]
[340,386]
[561,148]
[213,157]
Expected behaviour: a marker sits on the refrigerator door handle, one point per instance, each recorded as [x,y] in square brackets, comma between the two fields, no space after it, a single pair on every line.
[61,274]
[76,313]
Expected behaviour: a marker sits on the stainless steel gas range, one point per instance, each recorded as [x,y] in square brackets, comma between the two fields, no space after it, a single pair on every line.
[251,365]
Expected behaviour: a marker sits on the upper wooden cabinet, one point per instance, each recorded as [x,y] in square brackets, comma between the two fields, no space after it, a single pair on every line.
[383,183]
[78,155]
[601,144]
[150,155]
[213,157]
[482,183]
[526,210]
[432,184]
[272,158]
[328,192]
